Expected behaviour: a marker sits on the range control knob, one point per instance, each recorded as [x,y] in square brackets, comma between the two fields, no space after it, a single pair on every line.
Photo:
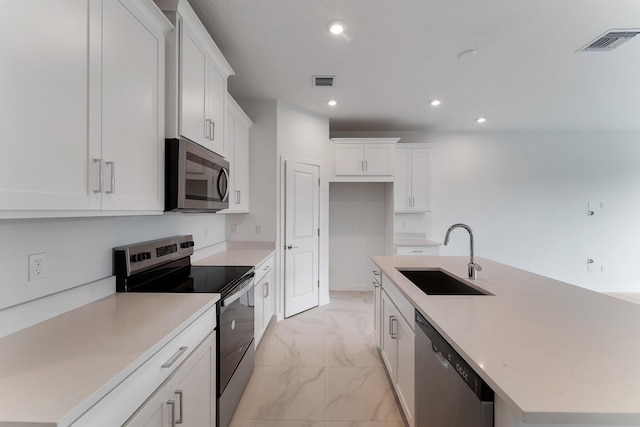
[133,258]
[186,245]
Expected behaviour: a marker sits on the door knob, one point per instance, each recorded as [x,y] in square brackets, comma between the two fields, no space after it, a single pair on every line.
[291,247]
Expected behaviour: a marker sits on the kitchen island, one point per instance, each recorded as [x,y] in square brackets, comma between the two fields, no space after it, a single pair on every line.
[554,353]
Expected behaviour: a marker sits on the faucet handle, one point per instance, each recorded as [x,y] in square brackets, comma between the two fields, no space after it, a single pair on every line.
[473,269]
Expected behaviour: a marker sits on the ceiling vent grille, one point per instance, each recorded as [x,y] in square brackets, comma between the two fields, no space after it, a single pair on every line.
[610,41]
[324,81]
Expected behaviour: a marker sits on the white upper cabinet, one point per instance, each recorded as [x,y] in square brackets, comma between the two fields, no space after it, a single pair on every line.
[197,75]
[412,180]
[132,108]
[237,142]
[46,149]
[82,107]
[364,159]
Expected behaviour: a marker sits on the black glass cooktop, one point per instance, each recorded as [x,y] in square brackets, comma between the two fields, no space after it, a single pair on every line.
[179,276]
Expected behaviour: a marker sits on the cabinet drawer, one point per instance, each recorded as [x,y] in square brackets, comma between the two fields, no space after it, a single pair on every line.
[263,269]
[123,400]
[417,250]
[399,300]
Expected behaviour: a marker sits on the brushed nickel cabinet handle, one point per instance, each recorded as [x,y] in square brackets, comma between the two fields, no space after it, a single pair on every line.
[172,406]
[179,393]
[99,162]
[175,357]
[112,166]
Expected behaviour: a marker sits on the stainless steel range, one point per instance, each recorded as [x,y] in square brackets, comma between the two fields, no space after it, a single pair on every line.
[165,266]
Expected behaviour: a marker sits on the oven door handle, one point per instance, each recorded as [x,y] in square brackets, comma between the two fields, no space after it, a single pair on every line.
[238,291]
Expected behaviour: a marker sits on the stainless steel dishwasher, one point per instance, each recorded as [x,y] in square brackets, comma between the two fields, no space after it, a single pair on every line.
[448,392]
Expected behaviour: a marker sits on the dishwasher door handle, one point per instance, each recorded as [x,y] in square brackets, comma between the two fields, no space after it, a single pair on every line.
[440,357]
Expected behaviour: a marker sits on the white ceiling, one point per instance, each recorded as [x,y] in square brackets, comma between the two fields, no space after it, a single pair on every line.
[396,55]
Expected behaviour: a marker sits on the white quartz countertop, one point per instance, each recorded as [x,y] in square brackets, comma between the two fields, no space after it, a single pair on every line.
[555,353]
[54,371]
[247,257]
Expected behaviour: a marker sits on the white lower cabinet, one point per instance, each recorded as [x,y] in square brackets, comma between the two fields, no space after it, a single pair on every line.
[397,343]
[187,397]
[263,297]
[186,363]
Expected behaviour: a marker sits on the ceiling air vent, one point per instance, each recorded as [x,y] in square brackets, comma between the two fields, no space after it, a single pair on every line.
[610,40]
[324,81]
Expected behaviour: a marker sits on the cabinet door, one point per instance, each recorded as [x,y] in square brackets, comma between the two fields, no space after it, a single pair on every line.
[349,159]
[240,169]
[155,412]
[237,144]
[193,387]
[405,370]
[402,181]
[420,176]
[192,107]
[378,159]
[377,309]
[215,111]
[132,116]
[389,348]
[49,74]
[188,395]
[267,288]
[258,314]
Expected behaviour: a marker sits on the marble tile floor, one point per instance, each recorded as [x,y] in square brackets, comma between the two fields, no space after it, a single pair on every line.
[320,368]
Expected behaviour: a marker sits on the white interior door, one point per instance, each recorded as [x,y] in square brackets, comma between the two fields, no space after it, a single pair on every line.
[301,237]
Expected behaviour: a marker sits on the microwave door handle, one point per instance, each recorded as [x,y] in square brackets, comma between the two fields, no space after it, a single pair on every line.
[224,196]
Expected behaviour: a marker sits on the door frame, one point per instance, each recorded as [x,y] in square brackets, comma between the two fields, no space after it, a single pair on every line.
[280,231]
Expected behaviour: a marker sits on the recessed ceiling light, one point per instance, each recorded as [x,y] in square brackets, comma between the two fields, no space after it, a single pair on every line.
[481,120]
[434,102]
[336,27]
[332,103]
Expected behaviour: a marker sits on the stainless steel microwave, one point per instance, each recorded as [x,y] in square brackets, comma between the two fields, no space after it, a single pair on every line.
[196,179]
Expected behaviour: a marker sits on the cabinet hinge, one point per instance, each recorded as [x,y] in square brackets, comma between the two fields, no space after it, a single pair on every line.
[318,283]
[318,232]
[318,182]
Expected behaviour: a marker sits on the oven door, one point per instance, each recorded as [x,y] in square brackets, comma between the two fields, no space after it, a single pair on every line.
[235,330]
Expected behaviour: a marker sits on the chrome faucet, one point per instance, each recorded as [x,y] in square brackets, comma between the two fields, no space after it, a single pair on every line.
[473,267]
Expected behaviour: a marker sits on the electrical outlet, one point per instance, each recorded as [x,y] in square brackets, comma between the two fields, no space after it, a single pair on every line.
[234,228]
[259,229]
[37,266]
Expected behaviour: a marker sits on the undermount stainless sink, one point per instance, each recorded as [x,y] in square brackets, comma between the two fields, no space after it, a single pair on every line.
[436,282]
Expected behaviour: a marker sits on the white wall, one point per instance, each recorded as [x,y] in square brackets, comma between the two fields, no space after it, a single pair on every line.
[282,132]
[525,195]
[79,250]
[356,231]
[304,136]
